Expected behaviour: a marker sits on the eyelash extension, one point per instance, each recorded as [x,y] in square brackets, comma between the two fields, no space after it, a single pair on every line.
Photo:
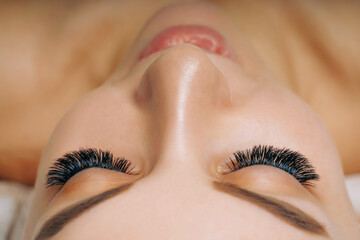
[74,162]
[287,160]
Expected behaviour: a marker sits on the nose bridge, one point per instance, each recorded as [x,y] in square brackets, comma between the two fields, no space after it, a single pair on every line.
[175,199]
[182,83]
[177,184]
[181,90]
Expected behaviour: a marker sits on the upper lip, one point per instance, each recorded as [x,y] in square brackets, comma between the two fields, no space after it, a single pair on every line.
[199,35]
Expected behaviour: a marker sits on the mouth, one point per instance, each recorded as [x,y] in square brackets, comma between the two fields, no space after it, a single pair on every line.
[200,36]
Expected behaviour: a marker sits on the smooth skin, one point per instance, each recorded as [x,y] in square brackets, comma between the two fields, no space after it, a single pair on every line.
[178,115]
[53,53]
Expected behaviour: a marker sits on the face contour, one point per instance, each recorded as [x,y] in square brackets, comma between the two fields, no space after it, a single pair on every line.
[178,115]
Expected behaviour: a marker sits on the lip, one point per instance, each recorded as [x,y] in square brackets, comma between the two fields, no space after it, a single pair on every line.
[201,36]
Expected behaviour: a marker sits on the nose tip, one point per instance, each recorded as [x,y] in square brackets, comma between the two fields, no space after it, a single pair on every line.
[184,77]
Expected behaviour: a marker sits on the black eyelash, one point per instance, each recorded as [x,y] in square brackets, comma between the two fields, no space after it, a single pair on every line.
[74,162]
[287,160]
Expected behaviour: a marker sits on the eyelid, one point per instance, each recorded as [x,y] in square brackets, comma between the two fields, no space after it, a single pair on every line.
[74,162]
[287,160]
[268,180]
[86,184]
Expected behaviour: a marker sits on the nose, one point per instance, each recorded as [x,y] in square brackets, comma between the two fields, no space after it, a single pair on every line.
[182,91]
[183,85]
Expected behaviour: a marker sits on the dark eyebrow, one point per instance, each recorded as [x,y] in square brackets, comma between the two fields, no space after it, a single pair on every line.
[283,210]
[57,222]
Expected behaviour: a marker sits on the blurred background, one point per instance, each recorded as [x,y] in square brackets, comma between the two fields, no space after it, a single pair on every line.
[54,52]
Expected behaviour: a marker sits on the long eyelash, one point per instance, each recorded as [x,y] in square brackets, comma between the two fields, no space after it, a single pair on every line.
[74,162]
[290,161]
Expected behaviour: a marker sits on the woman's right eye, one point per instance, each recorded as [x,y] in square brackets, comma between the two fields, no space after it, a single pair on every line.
[287,160]
[74,162]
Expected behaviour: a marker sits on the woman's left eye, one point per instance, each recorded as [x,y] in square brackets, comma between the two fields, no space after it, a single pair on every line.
[287,160]
[74,162]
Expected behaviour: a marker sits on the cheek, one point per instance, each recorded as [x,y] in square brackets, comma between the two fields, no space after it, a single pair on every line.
[277,116]
[106,121]
[284,120]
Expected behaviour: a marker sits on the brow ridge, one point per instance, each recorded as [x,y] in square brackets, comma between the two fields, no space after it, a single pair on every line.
[283,210]
[58,222]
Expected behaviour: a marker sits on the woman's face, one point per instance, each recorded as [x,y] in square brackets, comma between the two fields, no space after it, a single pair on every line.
[178,116]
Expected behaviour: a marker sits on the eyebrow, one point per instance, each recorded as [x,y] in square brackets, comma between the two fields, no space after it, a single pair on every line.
[57,222]
[283,210]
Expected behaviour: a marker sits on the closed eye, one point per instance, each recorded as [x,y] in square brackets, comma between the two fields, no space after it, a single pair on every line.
[287,160]
[74,162]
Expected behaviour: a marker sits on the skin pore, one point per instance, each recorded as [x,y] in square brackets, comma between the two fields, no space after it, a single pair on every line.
[177,115]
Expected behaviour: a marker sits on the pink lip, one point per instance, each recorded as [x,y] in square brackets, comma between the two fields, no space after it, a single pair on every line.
[201,36]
